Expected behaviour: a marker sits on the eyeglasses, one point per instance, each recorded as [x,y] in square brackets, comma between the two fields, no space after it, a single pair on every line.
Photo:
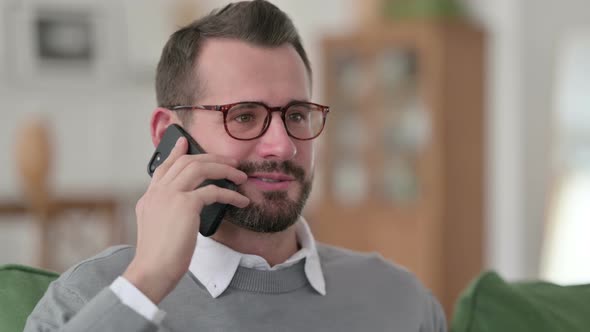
[250,120]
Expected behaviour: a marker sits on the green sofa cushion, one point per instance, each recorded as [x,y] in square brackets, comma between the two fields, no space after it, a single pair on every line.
[491,304]
[21,287]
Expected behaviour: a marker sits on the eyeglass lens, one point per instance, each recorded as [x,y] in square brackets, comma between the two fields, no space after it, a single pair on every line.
[248,120]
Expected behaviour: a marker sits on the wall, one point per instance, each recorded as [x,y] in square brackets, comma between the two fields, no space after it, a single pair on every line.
[504,139]
[525,37]
[545,25]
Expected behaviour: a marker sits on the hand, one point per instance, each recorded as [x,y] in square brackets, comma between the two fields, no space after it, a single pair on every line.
[168,217]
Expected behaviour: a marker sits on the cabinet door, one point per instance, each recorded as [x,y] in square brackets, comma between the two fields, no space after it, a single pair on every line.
[377,152]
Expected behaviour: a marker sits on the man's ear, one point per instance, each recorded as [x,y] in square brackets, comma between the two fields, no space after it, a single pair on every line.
[161,119]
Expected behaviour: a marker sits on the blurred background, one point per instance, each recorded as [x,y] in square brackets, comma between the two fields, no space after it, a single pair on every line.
[458,140]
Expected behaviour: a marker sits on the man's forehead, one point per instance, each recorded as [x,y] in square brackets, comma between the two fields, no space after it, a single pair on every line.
[234,70]
[224,50]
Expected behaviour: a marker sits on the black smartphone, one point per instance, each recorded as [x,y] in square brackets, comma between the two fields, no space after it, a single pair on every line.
[211,215]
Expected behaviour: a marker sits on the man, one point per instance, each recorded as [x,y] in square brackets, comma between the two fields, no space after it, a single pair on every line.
[239,81]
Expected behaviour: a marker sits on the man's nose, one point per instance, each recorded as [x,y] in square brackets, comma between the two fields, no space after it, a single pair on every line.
[276,142]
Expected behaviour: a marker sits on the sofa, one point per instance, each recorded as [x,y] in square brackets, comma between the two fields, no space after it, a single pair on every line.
[488,304]
[21,287]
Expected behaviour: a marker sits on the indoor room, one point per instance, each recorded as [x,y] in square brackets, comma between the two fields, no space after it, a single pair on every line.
[451,141]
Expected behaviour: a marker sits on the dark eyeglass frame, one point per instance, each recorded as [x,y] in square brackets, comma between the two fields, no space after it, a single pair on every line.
[283,109]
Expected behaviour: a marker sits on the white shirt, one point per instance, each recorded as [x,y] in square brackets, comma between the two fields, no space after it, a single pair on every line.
[215,264]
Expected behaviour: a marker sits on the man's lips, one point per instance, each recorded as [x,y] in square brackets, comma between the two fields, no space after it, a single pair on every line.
[271,177]
[271,181]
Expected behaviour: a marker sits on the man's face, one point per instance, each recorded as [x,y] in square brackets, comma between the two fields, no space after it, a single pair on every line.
[279,168]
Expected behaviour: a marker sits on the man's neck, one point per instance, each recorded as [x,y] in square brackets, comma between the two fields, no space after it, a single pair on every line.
[275,248]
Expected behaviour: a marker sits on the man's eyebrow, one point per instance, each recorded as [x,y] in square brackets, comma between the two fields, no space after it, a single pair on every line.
[298,101]
[290,101]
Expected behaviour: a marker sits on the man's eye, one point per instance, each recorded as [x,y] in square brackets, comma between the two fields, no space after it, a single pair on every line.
[296,117]
[244,118]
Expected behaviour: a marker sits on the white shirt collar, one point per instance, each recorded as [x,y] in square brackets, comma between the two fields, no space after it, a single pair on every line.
[215,264]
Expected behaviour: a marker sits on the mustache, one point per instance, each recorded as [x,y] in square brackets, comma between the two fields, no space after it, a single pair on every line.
[287,167]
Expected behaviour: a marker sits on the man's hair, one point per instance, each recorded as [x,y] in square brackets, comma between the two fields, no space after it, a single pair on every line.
[257,22]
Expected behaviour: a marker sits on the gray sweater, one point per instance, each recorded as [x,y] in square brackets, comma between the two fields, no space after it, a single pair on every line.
[364,293]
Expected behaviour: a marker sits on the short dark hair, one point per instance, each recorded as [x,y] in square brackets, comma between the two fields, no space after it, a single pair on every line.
[257,22]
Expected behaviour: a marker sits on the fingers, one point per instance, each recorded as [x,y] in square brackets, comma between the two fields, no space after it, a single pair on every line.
[186,160]
[212,194]
[195,173]
[179,150]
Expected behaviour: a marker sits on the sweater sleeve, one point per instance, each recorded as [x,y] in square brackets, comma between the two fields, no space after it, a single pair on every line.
[434,317]
[63,309]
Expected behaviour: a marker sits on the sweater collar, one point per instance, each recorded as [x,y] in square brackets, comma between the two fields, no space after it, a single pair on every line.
[215,264]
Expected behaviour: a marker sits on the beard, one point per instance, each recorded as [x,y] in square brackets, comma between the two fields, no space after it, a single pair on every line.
[277,211]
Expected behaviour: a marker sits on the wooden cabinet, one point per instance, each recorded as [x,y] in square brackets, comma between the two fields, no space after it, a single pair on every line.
[403,149]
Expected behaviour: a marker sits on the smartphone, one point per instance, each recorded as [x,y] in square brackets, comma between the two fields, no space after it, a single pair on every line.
[211,215]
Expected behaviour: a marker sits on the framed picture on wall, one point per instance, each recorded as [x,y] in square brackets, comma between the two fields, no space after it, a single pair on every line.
[48,41]
[64,38]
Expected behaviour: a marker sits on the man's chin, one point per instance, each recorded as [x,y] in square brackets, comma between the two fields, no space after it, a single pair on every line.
[272,212]
[268,220]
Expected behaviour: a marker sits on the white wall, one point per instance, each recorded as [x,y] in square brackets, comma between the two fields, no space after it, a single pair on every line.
[99,118]
[505,214]
[523,45]
[545,25]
